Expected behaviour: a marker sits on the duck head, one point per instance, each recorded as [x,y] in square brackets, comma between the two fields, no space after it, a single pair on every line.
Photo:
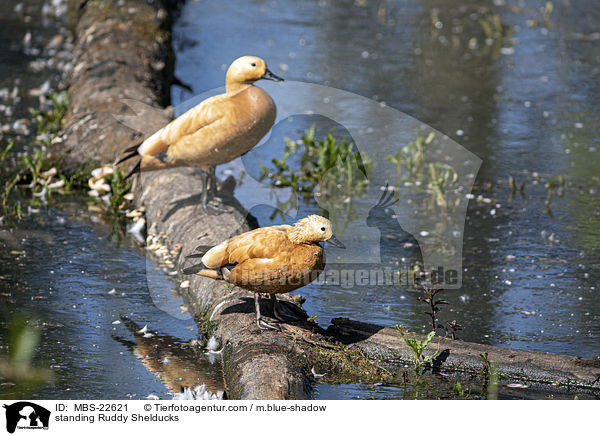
[312,229]
[247,70]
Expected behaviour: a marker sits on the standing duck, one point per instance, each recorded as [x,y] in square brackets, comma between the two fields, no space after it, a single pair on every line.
[216,131]
[272,260]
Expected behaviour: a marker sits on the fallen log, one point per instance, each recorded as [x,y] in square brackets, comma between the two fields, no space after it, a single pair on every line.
[122,51]
[385,344]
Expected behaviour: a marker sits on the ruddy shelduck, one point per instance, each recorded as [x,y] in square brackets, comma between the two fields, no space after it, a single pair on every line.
[271,260]
[216,131]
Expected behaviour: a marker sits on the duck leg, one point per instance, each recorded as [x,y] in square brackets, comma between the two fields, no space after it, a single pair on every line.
[209,180]
[260,323]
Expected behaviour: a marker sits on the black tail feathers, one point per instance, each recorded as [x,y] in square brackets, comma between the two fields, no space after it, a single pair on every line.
[135,169]
[128,156]
[201,251]
[129,153]
[193,269]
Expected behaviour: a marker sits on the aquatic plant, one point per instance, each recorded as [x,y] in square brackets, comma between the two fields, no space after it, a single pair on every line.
[493,27]
[437,179]
[479,28]
[513,186]
[5,151]
[558,184]
[6,208]
[411,157]
[417,348]
[490,377]
[430,299]
[50,123]
[36,168]
[119,187]
[38,175]
[453,328]
[548,8]
[335,157]
[441,178]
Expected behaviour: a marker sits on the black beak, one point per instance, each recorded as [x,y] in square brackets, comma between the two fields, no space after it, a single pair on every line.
[270,76]
[335,242]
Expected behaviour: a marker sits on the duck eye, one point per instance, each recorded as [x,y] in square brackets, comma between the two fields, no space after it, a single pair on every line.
[322,229]
[253,64]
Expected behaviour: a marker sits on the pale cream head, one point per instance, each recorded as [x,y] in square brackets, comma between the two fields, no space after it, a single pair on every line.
[246,69]
[313,228]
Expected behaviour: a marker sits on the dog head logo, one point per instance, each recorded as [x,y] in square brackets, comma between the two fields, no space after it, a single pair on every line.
[26,415]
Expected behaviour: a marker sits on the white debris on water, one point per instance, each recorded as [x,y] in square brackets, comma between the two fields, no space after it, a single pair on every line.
[212,344]
[198,393]
[135,229]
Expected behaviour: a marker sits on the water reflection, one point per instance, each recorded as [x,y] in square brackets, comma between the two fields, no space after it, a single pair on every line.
[180,365]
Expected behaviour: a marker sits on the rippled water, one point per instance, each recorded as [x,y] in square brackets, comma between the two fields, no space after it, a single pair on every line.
[526,106]
[68,274]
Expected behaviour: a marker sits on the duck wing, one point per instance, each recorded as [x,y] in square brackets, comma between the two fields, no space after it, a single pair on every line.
[263,243]
[208,112]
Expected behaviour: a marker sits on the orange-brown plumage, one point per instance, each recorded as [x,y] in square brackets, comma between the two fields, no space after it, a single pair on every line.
[272,260]
[216,131]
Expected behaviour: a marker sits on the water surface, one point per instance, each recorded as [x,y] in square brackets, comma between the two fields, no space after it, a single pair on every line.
[75,280]
[524,104]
